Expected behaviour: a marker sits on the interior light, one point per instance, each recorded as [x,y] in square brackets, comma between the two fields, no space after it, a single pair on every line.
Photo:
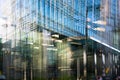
[103,58]
[84,57]
[44,44]
[47,45]
[54,49]
[88,19]
[65,69]
[36,47]
[69,39]
[88,26]
[55,35]
[100,29]
[95,57]
[31,43]
[100,22]
[60,41]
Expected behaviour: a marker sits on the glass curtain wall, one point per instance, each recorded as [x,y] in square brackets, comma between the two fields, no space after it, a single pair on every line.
[46,42]
[40,47]
[39,55]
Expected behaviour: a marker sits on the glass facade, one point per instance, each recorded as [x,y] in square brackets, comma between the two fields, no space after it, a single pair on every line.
[62,40]
[1,61]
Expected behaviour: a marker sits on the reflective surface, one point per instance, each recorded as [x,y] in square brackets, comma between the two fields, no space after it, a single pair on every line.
[61,40]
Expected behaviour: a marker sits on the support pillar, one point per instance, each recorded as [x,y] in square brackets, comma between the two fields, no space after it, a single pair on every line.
[95,61]
[78,68]
[85,62]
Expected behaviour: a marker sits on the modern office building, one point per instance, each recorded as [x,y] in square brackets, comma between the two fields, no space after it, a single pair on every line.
[63,40]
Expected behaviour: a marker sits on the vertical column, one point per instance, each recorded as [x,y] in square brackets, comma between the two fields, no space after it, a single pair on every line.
[108,68]
[115,57]
[103,61]
[24,67]
[95,61]
[110,59]
[85,61]
[107,63]
[118,64]
[86,44]
[15,76]
[78,68]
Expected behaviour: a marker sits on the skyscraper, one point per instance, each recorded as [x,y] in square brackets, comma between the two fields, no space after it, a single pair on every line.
[63,39]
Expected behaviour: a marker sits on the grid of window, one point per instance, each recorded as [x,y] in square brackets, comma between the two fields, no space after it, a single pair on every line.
[43,56]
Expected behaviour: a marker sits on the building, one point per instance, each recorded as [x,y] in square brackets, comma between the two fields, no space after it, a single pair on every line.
[63,39]
[1,60]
